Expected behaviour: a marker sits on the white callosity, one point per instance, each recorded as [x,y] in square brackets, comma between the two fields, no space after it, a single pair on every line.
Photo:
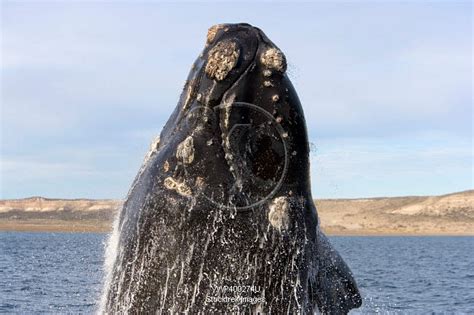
[185,151]
[179,187]
[267,73]
[278,213]
[211,33]
[185,156]
[273,59]
[222,58]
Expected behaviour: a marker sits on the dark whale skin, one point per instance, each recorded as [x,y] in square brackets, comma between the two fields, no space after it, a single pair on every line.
[222,206]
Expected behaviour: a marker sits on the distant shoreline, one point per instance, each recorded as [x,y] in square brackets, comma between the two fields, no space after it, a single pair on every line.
[82,227]
[53,226]
[446,215]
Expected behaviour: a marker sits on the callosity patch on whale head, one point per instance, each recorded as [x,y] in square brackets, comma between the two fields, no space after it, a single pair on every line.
[273,59]
[278,213]
[211,33]
[222,59]
[185,151]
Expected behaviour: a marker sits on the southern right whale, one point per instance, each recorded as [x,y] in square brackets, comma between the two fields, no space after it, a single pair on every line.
[220,218]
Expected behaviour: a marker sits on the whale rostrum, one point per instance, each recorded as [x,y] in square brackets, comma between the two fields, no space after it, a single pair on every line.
[220,218]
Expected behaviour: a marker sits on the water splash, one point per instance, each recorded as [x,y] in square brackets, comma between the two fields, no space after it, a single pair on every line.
[110,256]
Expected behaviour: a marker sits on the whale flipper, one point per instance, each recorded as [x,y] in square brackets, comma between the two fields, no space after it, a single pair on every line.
[335,290]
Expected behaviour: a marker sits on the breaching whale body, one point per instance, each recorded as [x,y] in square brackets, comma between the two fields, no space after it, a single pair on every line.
[220,217]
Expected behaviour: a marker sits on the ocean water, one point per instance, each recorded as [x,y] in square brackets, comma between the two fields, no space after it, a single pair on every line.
[62,272]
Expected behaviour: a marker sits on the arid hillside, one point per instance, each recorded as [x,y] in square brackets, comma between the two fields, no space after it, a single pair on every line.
[43,214]
[451,214]
[40,204]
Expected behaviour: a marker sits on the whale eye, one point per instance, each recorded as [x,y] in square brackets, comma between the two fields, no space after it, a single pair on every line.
[221,59]
[273,59]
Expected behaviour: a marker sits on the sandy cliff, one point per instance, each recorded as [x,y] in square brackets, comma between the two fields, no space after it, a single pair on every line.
[451,214]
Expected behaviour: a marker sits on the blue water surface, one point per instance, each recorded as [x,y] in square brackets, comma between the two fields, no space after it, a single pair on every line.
[62,273]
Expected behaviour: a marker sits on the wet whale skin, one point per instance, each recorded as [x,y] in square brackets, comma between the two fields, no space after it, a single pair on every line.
[220,217]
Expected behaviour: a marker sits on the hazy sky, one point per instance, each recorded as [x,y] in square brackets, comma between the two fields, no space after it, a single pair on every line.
[386,88]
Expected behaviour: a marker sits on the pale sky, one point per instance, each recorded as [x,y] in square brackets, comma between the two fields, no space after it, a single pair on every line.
[386,88]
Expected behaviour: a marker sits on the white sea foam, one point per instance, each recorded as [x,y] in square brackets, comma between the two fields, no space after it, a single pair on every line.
[110,256]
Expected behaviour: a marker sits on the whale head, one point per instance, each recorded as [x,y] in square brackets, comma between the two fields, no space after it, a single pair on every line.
[244,120]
